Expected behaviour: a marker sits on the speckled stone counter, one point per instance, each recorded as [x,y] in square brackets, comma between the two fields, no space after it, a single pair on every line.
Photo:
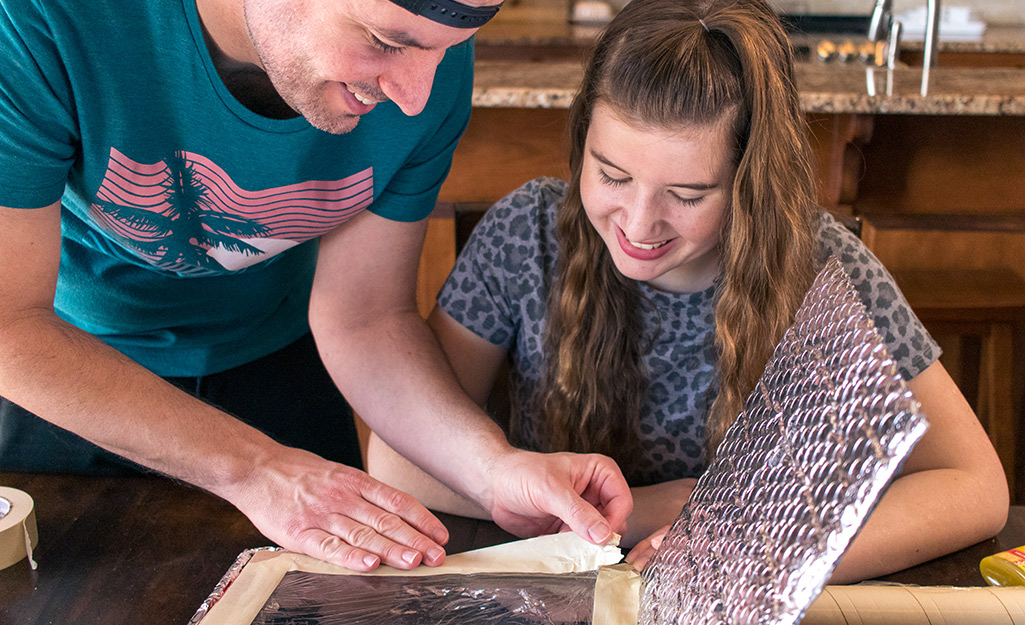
[825,88]
[952,91]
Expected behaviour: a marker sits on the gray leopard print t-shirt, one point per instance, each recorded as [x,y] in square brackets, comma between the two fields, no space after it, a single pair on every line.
[499,287]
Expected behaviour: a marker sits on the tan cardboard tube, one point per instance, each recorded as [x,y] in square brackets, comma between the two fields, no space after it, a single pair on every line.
[618,588]
[861,604]
[867,604]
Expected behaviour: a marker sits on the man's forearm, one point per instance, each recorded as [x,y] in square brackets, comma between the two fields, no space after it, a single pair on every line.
[77,382]
[396,377]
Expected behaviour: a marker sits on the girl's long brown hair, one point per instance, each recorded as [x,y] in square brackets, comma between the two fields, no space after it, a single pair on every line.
[666,64]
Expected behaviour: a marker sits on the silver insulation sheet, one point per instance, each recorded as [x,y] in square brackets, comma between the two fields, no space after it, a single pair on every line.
[825,429]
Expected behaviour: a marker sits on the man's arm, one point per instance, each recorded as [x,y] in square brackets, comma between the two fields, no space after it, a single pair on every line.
[77,382]
[476,363]
[389,366]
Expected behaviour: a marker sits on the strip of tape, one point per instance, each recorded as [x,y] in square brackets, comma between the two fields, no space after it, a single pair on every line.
[18,533]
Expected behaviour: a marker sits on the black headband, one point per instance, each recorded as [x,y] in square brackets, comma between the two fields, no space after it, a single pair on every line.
[450,12]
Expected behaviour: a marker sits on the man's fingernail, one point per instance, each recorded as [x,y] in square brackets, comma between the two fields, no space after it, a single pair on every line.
[370,560]
[599,534]
[434,554]
[410,556]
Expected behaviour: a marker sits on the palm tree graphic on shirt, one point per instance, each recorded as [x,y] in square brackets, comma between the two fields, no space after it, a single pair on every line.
[181,235]
[186,215]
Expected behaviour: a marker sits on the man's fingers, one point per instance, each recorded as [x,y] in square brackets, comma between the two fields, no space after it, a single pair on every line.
[533,492]
[581,517]
[608,491]
[598,482]
[331,548]
[617,510]
[343,516]
[407,509]
[389,536]
[402,549]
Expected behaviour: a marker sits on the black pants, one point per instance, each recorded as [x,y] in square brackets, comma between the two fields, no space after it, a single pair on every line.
[288,395]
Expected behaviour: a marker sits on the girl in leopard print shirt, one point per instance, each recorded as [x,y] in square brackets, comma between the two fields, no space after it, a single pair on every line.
[639,302]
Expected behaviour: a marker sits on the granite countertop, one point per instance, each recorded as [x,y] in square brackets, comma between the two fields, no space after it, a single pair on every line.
[824,87]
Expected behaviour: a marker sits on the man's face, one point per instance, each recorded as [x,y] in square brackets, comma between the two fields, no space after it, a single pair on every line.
[332,61]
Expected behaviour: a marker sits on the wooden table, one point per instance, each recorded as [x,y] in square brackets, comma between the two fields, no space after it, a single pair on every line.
[146,550]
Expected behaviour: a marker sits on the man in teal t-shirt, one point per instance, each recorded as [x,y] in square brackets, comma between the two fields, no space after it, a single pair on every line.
[202,196]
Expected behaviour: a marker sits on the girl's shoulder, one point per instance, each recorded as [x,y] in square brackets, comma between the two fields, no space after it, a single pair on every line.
[537,197]
[835,238]
[835,235]
[527,215]
[906,339]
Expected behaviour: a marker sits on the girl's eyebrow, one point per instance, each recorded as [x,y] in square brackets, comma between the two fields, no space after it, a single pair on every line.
[695,186]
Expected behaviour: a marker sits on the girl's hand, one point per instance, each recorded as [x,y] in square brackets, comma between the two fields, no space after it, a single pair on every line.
[640,554]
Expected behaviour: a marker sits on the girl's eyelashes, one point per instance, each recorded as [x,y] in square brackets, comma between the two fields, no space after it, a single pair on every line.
[617,182]
[609,180]
[687,201]
[384,47]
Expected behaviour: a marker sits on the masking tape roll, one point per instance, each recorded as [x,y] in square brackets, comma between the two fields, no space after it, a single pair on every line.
[18,534]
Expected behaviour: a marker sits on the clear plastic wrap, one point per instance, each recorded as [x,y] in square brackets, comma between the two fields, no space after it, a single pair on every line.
[548,579]
[825,429]
[508,598]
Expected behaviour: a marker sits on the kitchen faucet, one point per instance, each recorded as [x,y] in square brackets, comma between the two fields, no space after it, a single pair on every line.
[882,20]
[882,25]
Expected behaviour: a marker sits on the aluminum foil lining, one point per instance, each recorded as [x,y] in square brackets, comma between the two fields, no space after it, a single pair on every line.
[5,507]
[448,599]
[226,580]
[825,429]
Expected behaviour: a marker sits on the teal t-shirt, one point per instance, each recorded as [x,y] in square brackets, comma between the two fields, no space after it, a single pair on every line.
[190,223]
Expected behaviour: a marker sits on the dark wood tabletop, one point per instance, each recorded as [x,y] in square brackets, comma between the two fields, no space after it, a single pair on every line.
[147,550]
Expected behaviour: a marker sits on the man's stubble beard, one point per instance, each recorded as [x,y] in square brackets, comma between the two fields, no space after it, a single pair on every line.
[291,73]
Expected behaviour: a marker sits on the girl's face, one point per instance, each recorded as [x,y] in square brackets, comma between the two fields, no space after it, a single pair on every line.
[658,197]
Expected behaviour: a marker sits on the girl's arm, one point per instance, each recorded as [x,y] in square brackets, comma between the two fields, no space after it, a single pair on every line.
[388,466]
[655,507]
[951,493]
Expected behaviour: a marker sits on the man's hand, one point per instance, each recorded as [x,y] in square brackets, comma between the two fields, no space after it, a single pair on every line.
[533,494]
[339,514]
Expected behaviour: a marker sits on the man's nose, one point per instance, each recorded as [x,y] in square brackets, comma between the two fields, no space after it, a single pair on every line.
[408,83]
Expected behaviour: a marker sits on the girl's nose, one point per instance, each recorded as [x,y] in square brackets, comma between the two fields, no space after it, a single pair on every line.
[640,217]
